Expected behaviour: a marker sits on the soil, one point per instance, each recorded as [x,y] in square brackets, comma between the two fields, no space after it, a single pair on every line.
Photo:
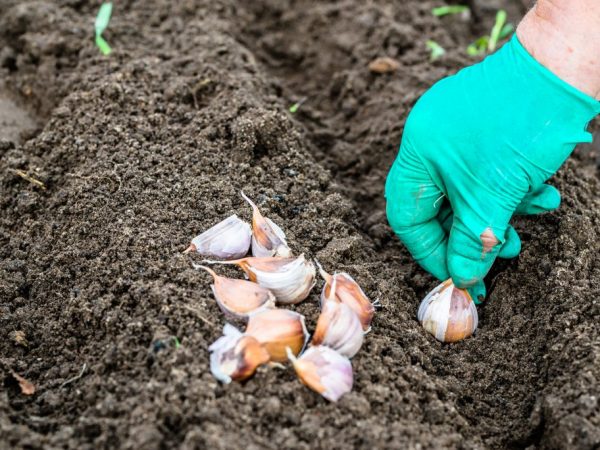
[141,150]
[15,122]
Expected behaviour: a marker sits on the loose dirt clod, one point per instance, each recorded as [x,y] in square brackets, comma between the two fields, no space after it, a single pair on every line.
[19,338]
[384,64]
[27,387]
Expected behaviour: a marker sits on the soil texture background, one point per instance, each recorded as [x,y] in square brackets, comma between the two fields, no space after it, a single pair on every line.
[141,150]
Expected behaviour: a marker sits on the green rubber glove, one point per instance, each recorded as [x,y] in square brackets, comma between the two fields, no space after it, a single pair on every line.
[482,142]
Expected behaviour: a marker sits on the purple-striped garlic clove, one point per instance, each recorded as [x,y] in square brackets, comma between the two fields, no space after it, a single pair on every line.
[239,298]
[291,283]
[324,371]
[278,330]
[339,328]
[267,238]
[235,356]
[289,279]
[347,291]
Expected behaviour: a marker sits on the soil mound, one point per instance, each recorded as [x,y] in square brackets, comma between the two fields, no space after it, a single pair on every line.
[143,149]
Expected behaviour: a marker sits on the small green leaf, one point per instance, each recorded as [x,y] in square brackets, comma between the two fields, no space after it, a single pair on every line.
[437,51]
[472,50]
[446,10]
[103,45]
[478,47]
[506,30]
[294,108]
[498,26]
[103,18]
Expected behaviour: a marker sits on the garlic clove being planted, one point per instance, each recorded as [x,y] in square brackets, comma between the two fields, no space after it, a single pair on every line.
[229,239]
[347,291]
[238,298]
[267,238]
[339,328]
[278,329]
[235,356]
[290,279]
[324,371]
[448,313]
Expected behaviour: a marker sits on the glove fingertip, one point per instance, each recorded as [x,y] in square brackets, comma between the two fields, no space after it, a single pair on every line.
[512,244]
[478,292]
[546,198]
[553,198]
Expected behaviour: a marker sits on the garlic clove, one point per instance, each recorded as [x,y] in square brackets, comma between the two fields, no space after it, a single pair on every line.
[291,283]
[238,298]
[229,239]
[448,313]
[324,371]
[339,328]
[347,291]
[267,238]
[235,356]
[278,329]
[290,279]
[268,264]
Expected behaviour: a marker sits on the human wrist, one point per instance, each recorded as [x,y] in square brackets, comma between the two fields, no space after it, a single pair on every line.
[564,36]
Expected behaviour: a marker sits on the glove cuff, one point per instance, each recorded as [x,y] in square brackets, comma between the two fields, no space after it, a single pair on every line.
[589,106]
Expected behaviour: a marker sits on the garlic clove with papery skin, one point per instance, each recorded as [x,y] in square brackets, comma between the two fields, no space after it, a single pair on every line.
[448,313]
[278,329]
[235,356]
[347,291]
[252,263]
[291,283]
[229,239]
[324,371]
[339,328]
[238,298]
[290,279]
[270,264]
[267,238]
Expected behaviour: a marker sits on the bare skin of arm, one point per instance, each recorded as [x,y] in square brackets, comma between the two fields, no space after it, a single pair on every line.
[564,36]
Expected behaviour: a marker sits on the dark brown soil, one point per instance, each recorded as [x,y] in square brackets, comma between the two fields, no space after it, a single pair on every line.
[143,149]
[15,122]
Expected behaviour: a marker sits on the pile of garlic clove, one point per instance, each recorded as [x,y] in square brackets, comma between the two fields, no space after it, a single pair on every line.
[276,335]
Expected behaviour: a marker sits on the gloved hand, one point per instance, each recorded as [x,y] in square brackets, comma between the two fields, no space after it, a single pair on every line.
[482,141]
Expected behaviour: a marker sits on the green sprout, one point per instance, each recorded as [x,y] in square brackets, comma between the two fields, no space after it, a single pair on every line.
[506,31]
[496,30]
[437,51]
[294,108]
[177,343]
[489,43]
[100,25]
[447,10]
[478,47]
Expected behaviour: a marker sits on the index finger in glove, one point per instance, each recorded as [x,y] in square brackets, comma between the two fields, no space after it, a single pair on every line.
[545,198]
[413,203]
